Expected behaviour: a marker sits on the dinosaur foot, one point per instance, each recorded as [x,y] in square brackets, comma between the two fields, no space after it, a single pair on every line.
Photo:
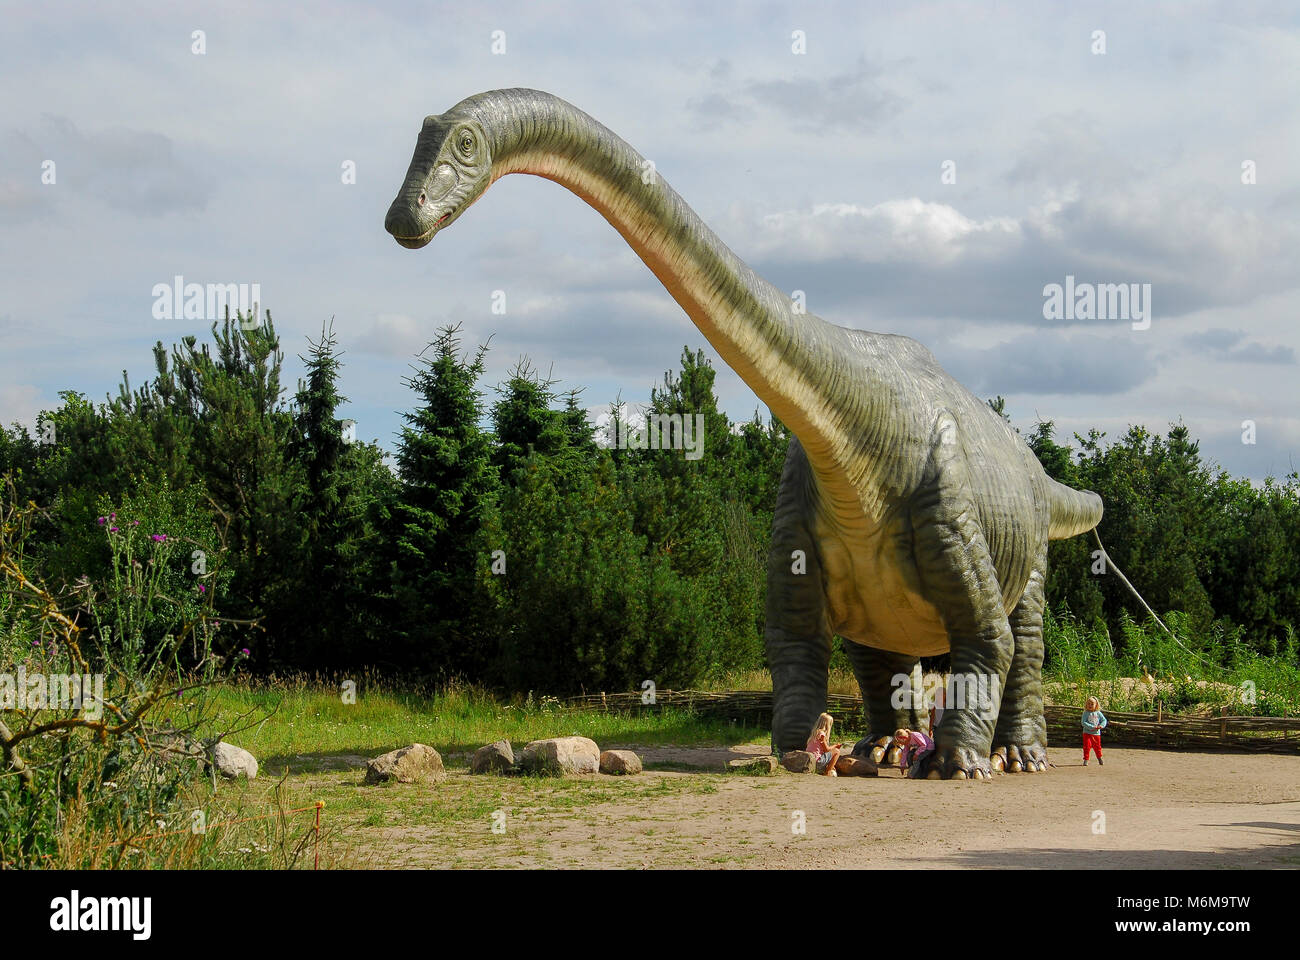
[874,749]
[1030,758]
[881,748]
[958,763]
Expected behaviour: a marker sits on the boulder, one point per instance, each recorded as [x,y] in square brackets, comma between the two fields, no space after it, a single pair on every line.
[414,764]
[620,763]
[494,758]
[856,767]
[233,762]
[799,761]
[560,755]
[753,766]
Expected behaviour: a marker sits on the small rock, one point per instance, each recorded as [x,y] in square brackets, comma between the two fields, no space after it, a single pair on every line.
[411,764]
[799,761]
[233,762]
[620,763]
[560,755]
[753,766]
[494,758]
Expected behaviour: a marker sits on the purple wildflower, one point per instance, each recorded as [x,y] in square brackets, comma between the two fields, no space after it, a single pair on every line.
[203,588]
[112,529]
[159,537]
[246,652]
[101,520]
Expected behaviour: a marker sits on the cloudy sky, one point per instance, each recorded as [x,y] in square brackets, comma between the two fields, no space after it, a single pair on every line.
[824,169]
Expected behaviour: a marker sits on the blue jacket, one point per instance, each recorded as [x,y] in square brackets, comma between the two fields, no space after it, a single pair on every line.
[1094,721]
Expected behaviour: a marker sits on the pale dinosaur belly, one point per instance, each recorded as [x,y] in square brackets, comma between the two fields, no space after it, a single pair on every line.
[872,593]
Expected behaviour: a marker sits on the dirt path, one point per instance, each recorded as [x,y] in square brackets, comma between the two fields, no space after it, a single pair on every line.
[1159,809]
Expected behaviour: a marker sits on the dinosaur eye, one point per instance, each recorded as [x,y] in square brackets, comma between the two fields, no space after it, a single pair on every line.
[466,143]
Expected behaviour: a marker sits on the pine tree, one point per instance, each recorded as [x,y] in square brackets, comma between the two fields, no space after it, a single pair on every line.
[241,432]
[347,491]
[448,486]
[524,421]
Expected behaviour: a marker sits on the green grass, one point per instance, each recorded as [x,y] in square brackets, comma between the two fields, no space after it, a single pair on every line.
[308,726]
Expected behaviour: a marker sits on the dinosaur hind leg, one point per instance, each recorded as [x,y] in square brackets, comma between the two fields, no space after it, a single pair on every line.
[879,673]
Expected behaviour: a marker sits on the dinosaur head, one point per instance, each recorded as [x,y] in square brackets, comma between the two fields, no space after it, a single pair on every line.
[451,168]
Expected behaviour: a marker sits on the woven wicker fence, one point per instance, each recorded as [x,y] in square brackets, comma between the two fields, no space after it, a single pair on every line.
[1162,730]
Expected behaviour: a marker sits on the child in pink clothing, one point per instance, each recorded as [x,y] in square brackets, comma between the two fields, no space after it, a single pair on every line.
[913,747]
[824,752]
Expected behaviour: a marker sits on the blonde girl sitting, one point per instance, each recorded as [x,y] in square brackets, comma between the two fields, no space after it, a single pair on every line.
[824,752]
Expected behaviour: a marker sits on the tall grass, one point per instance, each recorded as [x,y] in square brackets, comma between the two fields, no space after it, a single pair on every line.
[1194,672]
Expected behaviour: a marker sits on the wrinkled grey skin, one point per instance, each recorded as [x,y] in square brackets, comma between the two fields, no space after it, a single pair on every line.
[911,519]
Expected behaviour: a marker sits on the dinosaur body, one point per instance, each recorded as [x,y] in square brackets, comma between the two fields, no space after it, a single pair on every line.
[911,520]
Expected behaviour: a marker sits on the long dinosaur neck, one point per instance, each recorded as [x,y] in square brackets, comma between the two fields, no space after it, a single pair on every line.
[784,356]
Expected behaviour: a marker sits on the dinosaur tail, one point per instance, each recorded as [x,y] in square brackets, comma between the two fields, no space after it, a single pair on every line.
[1072,511]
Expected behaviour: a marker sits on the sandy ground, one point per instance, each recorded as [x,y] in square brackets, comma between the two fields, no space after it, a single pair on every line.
[1158,809]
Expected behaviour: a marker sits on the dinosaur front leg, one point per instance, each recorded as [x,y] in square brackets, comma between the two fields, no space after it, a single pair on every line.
[958,577]
[878,672]
[798,642]
[798,635]
[799,663]
[1020,740]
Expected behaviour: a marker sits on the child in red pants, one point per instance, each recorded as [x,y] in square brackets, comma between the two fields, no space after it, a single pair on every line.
[1094,721]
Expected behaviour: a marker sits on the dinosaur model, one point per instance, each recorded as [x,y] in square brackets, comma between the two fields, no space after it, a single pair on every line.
[911,519]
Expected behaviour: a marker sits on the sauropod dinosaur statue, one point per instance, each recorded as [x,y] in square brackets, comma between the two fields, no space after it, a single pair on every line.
[911,520]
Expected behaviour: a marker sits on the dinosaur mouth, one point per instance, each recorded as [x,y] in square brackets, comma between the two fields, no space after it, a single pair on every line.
[415,243]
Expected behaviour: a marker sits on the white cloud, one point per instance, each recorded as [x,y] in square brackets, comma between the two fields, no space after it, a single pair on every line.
[892,231]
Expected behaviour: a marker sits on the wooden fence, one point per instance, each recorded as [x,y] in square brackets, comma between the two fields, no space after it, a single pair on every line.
[1159,729]
[1177,732]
